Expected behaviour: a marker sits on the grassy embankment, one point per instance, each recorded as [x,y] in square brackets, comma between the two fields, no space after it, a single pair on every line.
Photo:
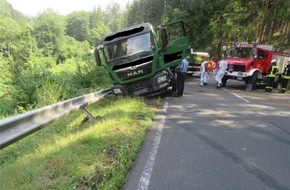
[73,153]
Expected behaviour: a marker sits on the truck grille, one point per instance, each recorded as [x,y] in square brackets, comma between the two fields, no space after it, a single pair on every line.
[240,68]
[134,71]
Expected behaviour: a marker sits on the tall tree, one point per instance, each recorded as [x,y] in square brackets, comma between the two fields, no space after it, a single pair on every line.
[16,42]
[97,26]
[113,17]
[136,13]
[49,28]
[96,17]
[78,25]
[16,45]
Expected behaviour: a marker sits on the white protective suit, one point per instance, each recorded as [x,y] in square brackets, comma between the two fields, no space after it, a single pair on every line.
[221,72]
[203,74]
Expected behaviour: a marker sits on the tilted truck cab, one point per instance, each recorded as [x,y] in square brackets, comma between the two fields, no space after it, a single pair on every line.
[140,58]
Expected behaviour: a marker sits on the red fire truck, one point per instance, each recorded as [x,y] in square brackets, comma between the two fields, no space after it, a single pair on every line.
[250,63]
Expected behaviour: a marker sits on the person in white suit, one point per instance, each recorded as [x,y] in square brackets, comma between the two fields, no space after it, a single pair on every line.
[203,74]
[223,65]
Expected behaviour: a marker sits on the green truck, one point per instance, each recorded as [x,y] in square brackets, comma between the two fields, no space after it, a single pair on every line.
[141,59]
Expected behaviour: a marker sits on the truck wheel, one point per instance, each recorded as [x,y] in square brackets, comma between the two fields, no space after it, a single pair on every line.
[173,82]
[247,79]
[174,85]
[252,82]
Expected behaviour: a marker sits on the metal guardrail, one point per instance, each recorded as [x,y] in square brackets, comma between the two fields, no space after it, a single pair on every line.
[17,127]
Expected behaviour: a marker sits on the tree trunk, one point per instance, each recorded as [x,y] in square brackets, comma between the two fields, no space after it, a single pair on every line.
[219,34]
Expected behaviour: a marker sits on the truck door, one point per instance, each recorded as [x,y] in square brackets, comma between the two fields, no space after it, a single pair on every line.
[263,62]
[174,42]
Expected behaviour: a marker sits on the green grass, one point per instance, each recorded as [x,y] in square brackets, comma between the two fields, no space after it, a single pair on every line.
[75,153]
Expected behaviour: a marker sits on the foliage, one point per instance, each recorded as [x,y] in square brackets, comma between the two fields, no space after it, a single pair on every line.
[78,24]
[26,85]
[16,42]
[6,10]
[72,48]
[49,28]
[30,50]
[87,26]
[95,34]
[89,75]
[49,93]
[113,17]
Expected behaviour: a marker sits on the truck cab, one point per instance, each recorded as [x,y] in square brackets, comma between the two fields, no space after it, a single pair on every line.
[140,59]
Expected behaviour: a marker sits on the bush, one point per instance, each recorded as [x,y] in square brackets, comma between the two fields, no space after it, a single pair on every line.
[49,93]
[90,76]
[41,82]
[26,85]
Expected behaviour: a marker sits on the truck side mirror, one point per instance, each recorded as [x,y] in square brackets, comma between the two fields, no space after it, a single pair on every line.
[97,55]
[163,37]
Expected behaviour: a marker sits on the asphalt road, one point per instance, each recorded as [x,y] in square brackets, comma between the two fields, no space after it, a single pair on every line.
[217,139]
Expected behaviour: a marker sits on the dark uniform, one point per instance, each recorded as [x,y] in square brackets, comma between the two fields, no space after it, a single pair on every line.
[181,75]
[270,77]
[285,78]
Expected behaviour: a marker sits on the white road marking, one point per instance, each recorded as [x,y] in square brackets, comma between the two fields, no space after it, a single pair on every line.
[148,168]
[240,97]
[237,96]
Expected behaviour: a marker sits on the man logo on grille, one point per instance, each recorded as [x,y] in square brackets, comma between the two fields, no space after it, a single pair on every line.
[136,72]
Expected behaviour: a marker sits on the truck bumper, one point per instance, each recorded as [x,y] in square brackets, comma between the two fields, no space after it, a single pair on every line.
[236,75]
[158,84]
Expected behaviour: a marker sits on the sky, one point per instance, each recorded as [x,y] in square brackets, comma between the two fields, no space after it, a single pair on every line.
[63,7]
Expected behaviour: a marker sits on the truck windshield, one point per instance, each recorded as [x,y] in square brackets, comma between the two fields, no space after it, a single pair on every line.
[123,48]
[241,52]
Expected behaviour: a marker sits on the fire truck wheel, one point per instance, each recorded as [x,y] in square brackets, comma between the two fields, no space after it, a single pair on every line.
[247,80]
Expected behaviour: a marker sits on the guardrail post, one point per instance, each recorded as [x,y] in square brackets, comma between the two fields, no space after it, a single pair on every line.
[88,114]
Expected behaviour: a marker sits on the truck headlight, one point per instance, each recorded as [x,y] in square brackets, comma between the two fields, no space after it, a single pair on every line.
[162,79]
[117,91]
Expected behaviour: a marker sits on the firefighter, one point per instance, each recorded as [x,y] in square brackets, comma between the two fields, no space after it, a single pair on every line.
[285,77]
[270,77]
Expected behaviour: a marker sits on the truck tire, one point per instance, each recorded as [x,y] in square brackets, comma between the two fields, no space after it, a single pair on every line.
[252,82]
[173,82]
[247,79]
[174,85]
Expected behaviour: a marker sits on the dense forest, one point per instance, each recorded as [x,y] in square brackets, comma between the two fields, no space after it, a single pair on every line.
[49,58]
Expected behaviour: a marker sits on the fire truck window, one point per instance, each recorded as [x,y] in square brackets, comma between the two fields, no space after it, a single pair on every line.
[232,53]
[262,54]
